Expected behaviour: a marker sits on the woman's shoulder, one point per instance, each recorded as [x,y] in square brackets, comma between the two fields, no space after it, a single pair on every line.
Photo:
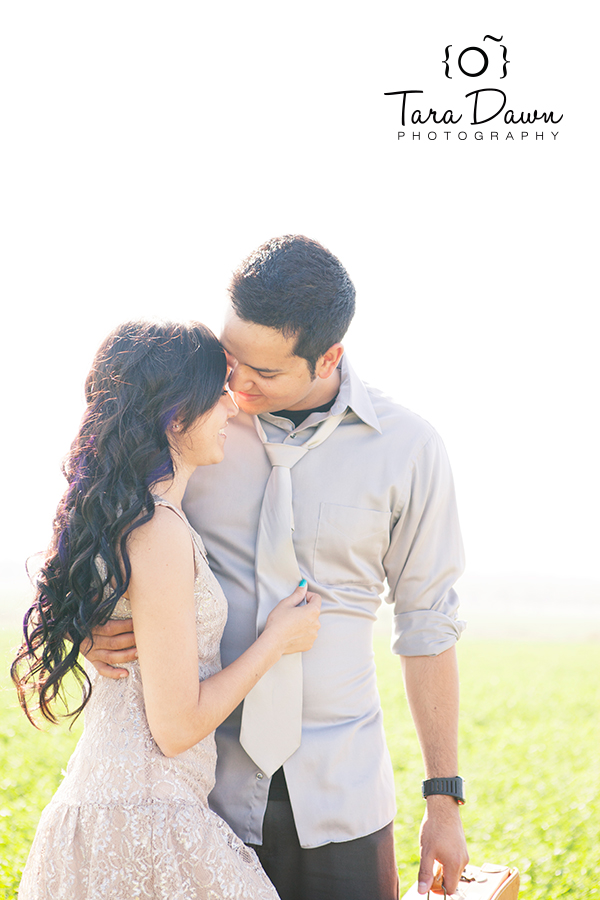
[162,558]
[167,531]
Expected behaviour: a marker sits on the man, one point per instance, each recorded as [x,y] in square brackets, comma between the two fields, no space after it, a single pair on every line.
[372,501]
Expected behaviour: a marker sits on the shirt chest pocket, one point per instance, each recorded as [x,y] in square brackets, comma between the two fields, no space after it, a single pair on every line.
[350,544]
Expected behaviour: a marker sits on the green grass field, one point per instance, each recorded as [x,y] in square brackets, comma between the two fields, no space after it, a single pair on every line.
[530,754]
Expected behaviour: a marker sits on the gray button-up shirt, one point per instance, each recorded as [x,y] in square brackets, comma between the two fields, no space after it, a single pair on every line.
[374,503]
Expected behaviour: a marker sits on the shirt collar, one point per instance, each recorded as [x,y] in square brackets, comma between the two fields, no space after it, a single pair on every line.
[353,394]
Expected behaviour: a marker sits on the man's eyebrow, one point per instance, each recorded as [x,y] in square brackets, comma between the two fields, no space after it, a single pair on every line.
[255,368]
[260,369]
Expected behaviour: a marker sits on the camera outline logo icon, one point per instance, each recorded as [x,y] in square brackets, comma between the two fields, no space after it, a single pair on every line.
[469,67]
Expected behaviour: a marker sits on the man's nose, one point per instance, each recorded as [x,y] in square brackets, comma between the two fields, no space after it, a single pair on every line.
[240,379]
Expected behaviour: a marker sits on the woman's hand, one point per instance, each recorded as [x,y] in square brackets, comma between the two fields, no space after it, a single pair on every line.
[293,623]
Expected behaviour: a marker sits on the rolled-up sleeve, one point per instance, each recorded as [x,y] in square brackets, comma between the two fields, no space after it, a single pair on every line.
[425,557]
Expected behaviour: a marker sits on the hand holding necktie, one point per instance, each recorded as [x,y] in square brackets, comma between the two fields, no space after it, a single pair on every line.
[301,625]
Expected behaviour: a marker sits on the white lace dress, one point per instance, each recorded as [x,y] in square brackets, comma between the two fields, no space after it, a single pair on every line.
[128,822]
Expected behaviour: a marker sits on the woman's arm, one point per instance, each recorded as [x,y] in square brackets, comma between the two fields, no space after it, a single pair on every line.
[181,710]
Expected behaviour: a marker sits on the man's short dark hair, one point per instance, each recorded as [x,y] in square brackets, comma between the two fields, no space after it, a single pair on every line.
[297,286]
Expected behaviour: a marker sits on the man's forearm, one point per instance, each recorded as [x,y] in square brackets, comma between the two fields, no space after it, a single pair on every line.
[431,684]
[432,690]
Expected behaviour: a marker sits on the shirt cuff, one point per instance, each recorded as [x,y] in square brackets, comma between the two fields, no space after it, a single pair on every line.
[425,632]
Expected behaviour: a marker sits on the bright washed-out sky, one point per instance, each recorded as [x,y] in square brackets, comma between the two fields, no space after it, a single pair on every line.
[148,148]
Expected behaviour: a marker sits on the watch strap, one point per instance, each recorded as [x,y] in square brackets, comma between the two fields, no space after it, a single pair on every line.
[451,787]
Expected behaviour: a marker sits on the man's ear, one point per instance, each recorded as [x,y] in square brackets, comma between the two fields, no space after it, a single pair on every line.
[328,363]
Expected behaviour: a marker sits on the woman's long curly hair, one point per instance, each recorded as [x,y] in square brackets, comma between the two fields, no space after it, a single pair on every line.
[144,375]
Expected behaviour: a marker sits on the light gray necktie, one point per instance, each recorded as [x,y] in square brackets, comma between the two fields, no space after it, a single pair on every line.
[272,714]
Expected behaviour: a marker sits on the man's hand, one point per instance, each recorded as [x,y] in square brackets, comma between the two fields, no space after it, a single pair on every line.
[442,838]
[113,644]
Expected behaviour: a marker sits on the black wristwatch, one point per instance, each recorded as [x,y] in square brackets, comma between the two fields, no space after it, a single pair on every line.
[452,787]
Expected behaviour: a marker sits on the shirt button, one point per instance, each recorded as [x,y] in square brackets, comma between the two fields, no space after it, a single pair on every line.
[260,776]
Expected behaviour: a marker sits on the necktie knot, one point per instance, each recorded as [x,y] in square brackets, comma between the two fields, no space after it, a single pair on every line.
[285,455]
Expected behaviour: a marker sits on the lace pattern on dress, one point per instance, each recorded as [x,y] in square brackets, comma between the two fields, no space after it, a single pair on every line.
[127,822]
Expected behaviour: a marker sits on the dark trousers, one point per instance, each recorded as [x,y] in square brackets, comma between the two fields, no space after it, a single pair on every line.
[363,869]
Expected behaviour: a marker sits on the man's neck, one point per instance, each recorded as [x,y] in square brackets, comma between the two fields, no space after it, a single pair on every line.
[298,416]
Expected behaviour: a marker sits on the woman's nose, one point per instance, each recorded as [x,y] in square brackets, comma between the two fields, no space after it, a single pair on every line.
[233,408]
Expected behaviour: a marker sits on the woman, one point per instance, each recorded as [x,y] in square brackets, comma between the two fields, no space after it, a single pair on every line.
[131,817]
